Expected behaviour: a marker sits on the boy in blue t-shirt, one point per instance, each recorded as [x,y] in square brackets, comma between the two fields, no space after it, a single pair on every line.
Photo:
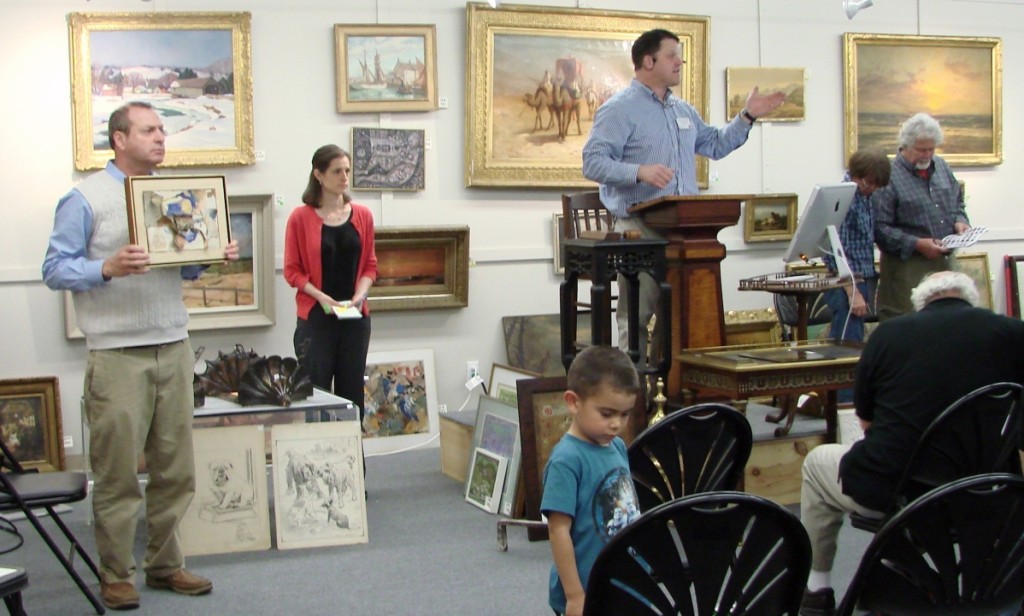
[588,491]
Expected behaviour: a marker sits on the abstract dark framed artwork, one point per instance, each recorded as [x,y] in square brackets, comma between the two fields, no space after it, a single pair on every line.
[388,159]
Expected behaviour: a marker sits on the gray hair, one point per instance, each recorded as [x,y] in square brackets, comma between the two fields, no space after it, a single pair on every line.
[944,284]
[920,126]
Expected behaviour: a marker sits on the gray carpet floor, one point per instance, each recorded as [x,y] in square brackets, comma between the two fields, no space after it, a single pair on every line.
[430,553]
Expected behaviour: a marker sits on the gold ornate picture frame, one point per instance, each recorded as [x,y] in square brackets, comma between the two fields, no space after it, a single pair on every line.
[740,82]
[958,80]
[385,68]
[511,139]
[769,218]
[194,68]
[975,265]
[420,268]
[30,422]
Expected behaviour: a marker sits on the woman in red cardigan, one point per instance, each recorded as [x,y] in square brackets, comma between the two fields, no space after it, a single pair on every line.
[329,258]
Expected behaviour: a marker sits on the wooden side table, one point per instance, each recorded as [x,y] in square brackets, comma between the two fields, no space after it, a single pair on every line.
[600,261]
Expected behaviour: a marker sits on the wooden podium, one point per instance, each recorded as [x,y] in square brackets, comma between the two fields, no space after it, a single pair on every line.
[693,259]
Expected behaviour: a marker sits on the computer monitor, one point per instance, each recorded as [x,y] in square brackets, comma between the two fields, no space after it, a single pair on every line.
[826,208]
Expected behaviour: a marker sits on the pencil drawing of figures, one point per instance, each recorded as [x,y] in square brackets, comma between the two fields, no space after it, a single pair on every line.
[231,510]
[318,485]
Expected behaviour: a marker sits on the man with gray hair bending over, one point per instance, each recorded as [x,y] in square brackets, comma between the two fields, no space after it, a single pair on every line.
[912,368]
[922,204]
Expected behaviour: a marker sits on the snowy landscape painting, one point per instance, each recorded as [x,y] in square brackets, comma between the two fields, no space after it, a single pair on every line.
[193,68]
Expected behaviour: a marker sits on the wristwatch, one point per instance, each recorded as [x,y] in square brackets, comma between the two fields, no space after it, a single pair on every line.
[746,114]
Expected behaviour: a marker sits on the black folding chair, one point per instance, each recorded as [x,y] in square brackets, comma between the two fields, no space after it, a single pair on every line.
[979,433]
[22,490]
[700,448]
[11,585]
[956,551]
[703,555]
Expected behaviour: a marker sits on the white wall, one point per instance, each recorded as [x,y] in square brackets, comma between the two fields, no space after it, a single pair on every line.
[294,113]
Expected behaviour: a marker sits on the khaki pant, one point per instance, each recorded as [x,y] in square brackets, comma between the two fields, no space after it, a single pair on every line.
[823,504]
[897,278]
[139,400]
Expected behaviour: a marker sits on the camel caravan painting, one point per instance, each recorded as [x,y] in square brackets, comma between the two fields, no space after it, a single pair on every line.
[548,89]
[536,77]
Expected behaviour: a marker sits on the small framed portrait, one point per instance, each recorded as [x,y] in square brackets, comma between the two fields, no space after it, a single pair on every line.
[770,218]
[181,219]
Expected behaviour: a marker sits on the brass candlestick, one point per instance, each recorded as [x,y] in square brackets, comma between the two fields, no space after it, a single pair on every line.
[659,403]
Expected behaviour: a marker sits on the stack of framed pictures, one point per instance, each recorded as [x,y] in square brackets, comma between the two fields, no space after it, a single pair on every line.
[495,457]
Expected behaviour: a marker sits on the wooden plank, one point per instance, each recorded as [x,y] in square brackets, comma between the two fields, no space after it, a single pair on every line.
[773,470]
[456,439]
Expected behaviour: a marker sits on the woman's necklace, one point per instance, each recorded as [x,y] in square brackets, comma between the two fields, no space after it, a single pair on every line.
[335,217]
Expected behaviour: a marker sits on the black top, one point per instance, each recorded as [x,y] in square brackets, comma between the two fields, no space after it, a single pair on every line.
[339,253]
[912,368]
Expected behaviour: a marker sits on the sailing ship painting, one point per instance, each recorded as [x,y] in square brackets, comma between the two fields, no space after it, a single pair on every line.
[386,68]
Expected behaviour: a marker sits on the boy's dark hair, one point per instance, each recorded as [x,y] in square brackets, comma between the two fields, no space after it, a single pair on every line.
[648,44]
[601,365]
[872,165]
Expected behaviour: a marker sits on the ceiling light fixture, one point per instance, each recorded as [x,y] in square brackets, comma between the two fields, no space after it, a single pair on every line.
[852,7]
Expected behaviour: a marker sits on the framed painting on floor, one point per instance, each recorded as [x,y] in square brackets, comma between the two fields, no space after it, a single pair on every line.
[497,431]
[230,511]
[30,422]
[401,400]
[319,494]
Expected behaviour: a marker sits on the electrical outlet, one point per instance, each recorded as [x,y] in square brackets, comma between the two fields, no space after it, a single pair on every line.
[442,102]
[472,369]
[69,442]
[442,408]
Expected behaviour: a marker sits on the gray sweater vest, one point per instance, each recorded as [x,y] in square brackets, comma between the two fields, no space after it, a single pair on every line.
[127,311]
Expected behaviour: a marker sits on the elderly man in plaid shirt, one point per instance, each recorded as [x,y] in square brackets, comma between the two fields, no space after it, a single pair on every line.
[922,204]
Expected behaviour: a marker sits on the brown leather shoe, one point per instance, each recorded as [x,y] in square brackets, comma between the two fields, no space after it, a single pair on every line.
[119,595]
[181,581]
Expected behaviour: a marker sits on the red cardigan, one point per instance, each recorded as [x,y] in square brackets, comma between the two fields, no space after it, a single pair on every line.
[302,261]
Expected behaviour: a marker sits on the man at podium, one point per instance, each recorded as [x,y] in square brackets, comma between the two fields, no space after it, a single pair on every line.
[642,146]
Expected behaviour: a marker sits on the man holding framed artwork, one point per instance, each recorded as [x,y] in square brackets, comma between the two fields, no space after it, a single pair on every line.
[922,204]
[138,379]
[642,146]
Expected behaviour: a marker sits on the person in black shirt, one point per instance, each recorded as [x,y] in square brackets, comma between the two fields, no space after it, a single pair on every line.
[912,368]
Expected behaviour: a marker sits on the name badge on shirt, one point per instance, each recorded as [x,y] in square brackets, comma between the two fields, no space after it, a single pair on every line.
[683,123]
